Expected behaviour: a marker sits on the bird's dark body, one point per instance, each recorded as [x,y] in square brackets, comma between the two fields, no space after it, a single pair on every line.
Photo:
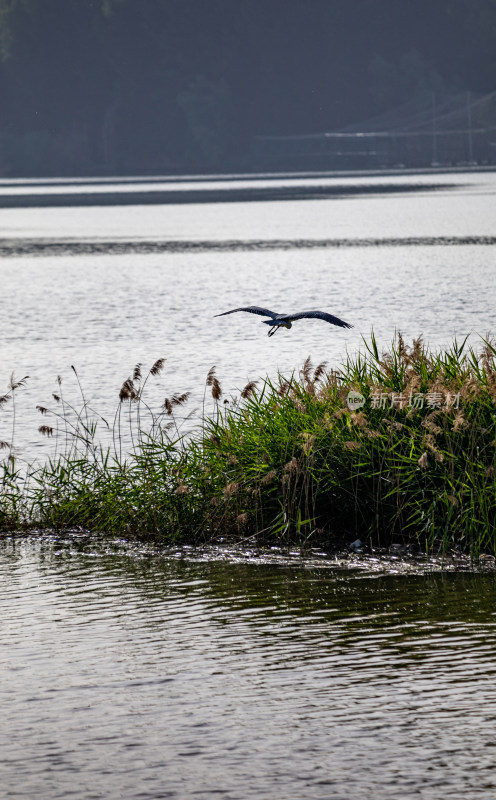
[285,320]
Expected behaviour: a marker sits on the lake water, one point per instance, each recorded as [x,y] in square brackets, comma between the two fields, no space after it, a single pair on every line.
[135,675]
[103,287]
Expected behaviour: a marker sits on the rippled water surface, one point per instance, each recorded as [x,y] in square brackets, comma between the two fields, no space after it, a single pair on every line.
[104,287]
[129,675]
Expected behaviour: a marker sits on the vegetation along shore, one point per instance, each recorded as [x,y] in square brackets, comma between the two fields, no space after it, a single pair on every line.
[399,444]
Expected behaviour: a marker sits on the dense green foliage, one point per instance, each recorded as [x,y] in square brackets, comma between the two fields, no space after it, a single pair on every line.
[289,460]
[123,86]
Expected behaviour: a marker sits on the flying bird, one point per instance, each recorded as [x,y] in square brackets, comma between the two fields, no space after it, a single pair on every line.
[277,321]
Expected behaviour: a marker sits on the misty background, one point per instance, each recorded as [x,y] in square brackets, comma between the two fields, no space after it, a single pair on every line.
[188,86]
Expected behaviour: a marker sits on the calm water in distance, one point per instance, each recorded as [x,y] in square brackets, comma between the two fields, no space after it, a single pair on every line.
[148,677]
[105,313]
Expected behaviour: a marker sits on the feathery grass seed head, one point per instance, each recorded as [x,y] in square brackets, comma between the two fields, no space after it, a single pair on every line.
[249,389]
[46,430]
[157,367]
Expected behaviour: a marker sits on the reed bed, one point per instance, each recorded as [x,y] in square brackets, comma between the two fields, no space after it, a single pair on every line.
[396,445]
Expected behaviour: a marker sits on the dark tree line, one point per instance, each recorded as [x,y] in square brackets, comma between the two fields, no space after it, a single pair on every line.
[160,86]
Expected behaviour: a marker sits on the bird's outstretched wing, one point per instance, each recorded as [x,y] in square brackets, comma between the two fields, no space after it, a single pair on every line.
[319,315]
[264,312]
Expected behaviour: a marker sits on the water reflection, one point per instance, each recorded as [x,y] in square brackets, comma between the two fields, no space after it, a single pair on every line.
[160,677]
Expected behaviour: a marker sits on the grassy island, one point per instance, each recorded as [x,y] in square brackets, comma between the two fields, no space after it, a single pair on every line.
[399,444]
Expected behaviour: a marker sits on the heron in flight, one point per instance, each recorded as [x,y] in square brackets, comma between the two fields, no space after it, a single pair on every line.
[277,321]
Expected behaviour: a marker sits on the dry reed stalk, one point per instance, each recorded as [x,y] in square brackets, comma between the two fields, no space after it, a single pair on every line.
[422,461]
[306,370]
[359,419]
[308,444]
[210,375]
[13,384]
[46,430]
[459,423]
[470,389]
[395,426]
[249,390]
[213,381]
[180,399]
[431,427]
[413,382]
[417,350]
[216,389]
[157,367]
[301,407]
[402,349]
[230,489]
[371,434]
[319,371]
[128,391]
[269,477]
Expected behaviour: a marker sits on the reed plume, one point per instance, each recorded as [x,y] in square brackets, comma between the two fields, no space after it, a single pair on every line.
[214,383]
[319,371]
[422,461]
[306,370]
[128,391]
[249,390]
[13,384]
[180,399]
[157,367]
[46,430]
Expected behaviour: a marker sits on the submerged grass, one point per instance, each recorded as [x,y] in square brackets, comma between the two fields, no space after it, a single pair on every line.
[412,459]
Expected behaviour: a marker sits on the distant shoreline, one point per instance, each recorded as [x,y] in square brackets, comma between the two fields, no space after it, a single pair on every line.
[45,180]
[187,196]
[162,190]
